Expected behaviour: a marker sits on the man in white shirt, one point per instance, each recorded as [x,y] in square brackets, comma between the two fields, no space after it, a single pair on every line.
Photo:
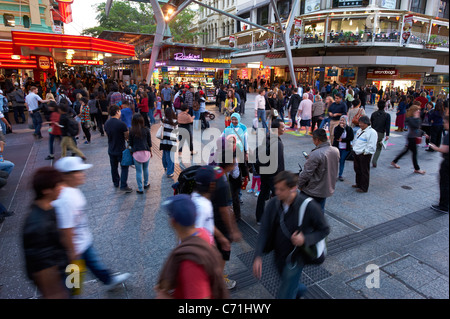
[260,108]
[364,147]
[32,101]
[72,221]
[305,113]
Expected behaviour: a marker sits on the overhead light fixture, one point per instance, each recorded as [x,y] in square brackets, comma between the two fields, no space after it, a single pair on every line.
[351,22]
[70,51]
[15,57]
[100,56]
[108,55]
[398,18]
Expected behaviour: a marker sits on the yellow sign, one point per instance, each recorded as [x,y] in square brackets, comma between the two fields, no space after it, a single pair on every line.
[209,60]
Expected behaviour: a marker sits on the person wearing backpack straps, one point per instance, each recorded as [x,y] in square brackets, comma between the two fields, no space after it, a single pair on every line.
[381,122]
[291,225]
[69,129]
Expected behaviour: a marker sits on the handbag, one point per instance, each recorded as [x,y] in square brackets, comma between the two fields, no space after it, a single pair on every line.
[419,140]
[160,132]
[127,158]
[355,119]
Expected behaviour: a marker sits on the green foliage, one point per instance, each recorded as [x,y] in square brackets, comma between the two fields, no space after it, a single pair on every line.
[138,18]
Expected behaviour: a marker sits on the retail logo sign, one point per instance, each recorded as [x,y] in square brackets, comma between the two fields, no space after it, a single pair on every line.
[302,69]
[180,56]
[385,72]
[44,62]
[209,60]
[84,62]
[312,5]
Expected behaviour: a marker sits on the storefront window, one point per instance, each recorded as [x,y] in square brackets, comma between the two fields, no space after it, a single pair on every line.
[314,32]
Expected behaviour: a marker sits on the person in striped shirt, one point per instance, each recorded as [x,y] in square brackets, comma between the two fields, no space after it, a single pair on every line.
[168,144]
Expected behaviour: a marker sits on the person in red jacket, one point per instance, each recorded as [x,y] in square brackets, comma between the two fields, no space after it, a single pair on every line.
[143,108]
[422,99]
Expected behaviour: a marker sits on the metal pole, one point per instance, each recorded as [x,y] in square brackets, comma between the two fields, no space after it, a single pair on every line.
[236,18]
[287,42]
[179,9]
[159,36]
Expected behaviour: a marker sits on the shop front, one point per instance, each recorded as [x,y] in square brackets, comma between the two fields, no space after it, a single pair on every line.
[438,83]
[393,78]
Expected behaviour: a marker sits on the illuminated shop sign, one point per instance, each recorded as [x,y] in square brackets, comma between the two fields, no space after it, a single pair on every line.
[208,60]
[189,57]
[85,62]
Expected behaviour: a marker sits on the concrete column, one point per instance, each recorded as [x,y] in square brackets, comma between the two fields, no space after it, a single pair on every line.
[431,8]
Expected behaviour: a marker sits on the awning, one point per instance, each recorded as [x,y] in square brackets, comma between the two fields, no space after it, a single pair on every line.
[7,62]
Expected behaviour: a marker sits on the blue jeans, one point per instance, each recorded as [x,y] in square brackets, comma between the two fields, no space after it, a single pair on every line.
[372,98]
[196,119]
[344,154]
[324,121]
[290,285]
[115,160]
[141,168]
[167,161]
[95,265]
[51,142]
[6,166]
[3,127]
[262,115]
[37,122]
[151,111]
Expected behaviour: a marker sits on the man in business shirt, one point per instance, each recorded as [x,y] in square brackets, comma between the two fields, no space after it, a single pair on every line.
[364,147]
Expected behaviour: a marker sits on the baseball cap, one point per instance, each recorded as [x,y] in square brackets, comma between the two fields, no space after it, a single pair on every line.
[201,92]
[182,209]
[187,87]
[71,164]
[205,175]
[1,92]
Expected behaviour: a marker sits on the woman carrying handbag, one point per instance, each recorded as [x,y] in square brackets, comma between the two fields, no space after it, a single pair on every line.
[140,142]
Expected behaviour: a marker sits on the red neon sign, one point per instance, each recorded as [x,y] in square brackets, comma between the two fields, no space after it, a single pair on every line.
[85,62]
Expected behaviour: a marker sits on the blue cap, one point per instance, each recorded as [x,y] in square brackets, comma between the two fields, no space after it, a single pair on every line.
[182,209]
[205,175]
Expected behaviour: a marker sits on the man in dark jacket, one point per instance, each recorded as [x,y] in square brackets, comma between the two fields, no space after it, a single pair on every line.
[280,220]
[293,105]
[267,185]
[381,122]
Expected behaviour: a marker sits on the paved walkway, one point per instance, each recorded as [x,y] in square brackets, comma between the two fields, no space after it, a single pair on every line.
[390,227]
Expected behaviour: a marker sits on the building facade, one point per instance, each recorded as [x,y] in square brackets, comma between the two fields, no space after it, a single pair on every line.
[385,42]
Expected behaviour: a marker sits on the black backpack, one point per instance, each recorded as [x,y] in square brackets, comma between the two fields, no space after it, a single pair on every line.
[186,181]
[73,128]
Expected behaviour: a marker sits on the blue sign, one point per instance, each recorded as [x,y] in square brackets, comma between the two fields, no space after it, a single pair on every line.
[332,72]
[319,69]
[349,73]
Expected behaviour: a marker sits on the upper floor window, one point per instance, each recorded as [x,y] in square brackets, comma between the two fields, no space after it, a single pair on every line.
[262,15]
[9,20]
[443,9]
[284,7]
[26,21]
[418,6]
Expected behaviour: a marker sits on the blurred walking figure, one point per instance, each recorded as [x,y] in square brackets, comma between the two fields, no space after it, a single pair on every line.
[45,256]
[169,142]
[74,224]
[193,269]
[140,142]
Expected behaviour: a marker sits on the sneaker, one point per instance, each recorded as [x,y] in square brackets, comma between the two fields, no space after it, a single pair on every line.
[341,178]
[117,279]
[229,283]
[50,157]
[439,209]
[127,189]
[147,186]
[257,194]
[86,142]
[139,192]
[251,190]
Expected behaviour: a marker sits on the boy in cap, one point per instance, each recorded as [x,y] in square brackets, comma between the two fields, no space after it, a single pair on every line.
[73,223]
[192,270]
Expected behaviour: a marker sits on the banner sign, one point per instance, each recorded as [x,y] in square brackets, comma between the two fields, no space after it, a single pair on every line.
[312,5]
[298,69]
[332,72]
[232,41]
[180,56]
[407,27]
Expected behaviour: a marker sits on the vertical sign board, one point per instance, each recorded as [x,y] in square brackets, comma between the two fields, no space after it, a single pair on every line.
[165,74]
[407,27]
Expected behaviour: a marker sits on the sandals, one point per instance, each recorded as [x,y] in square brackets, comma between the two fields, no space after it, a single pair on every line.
[395,165]
[419,172]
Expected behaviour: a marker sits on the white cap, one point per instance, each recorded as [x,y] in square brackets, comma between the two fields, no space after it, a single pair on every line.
[1,92]
[71,164]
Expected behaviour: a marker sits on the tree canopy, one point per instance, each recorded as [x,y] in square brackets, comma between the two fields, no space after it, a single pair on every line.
[138,18]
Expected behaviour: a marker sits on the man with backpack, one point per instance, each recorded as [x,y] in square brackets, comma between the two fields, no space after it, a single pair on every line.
[292,238]
[69,129]
[381,122]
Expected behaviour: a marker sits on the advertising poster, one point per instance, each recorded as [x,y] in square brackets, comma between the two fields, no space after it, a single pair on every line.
[407,27]
[312,5]
[232,41]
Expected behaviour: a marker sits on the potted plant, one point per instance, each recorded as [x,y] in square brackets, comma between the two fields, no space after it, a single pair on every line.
[348,37]
[432,43]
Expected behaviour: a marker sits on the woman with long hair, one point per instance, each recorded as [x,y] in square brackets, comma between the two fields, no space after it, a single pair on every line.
[414,135]
[169,142]
[140,142]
